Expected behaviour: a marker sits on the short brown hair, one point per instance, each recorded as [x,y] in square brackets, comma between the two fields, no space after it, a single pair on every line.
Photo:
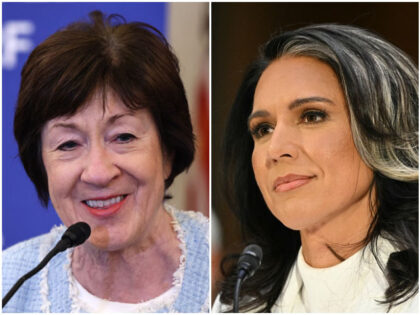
[64,71]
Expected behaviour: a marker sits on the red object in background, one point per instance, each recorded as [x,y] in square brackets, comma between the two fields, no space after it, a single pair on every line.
[198,187]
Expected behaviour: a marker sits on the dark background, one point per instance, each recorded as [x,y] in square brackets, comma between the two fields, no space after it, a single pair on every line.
[238,29]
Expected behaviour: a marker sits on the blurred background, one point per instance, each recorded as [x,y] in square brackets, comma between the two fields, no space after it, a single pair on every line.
[25,25]
[238,29]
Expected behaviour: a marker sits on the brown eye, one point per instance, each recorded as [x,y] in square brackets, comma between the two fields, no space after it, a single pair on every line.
[260,130]
[313,116]
[67,146]
[125,138]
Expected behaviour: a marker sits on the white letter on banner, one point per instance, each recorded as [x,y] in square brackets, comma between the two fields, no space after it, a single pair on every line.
[13,44]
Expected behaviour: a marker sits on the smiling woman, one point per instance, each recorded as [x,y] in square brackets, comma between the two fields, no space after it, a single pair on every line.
[321,164]
[103,128]
[113,162]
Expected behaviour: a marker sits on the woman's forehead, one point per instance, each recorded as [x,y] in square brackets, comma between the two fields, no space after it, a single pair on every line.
[95,113]
[289,79]
[105,104]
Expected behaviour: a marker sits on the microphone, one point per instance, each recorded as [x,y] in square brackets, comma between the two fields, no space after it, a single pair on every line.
[75,235]
[248,263]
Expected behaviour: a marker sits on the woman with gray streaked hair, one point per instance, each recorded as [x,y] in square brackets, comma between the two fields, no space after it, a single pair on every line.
[321,164]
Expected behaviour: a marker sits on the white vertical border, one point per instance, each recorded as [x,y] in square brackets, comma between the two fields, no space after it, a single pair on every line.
[185,29]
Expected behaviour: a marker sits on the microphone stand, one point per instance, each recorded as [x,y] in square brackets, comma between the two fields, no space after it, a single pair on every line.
[237,291]
[248,263]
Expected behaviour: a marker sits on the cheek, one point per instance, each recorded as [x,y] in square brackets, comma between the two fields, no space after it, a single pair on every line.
[259,168]
[146,168]
[61,180]
[344,170]
[61,177]
[256,160]
[333,145]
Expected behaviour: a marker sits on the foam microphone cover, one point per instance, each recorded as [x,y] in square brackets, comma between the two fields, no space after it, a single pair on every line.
[250,259]
[76,234]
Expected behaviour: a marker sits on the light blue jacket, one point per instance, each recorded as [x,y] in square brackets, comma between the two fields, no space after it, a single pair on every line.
[21,258]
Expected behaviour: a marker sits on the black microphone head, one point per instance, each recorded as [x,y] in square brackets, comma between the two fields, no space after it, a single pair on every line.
[76,234]
[250,259]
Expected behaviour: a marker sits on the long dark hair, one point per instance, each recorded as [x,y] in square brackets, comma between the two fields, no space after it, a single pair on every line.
[380,85]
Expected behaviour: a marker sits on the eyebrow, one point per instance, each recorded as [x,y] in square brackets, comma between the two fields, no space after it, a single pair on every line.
[111,120]
[296,103]
[300,101]
[114,118]
[64,125]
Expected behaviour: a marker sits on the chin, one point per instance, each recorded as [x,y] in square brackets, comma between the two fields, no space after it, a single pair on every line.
[293,219]
[102,239]
[105,246]
[292,224]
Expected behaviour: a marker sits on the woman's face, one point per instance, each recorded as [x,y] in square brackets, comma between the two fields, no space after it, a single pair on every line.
[304,159]
[106,167]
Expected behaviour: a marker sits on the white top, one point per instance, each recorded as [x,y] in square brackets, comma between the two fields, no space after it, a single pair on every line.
[92,304]
[353,285]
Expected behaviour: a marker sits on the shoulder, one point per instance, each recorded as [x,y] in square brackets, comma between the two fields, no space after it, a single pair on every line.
[18,260]
[386,251]
[191,220]
[409,306]
[219,307]
[25,255]
[28,249]
[193,228]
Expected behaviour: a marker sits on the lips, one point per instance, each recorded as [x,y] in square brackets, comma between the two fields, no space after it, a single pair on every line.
[104,207]
[290,182]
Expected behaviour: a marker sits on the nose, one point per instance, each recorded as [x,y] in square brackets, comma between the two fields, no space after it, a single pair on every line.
[99,168]
[283,144]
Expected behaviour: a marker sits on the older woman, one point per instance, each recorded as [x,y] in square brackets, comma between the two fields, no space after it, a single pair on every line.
[322,160]
[103,128]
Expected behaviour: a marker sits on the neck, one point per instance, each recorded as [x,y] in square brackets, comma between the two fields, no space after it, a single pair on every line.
[337,238]
[133,274]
